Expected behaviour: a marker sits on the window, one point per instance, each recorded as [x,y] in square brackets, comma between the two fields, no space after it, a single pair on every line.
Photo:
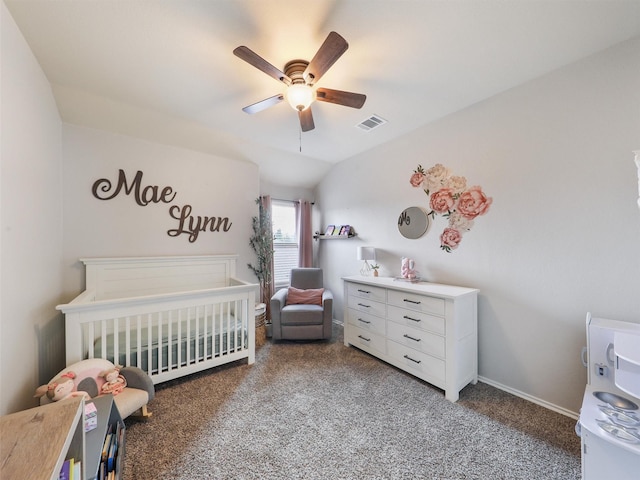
[285,241]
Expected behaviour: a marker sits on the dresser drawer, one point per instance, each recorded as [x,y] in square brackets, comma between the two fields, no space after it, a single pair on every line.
[423,321]
[368,341]
[417,363]
[366,321]
[420,303]
[420,340]
[367,291]
[367,306]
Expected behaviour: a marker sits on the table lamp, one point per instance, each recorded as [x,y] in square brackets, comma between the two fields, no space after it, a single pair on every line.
[365,254]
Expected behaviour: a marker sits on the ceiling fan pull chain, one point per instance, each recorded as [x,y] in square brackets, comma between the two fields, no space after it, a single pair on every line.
[300,137]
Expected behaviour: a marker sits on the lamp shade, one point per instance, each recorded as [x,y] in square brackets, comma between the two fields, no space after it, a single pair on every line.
[366,253]
[300,96]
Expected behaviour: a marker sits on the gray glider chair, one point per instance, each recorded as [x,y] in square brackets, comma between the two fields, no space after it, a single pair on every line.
[302,321]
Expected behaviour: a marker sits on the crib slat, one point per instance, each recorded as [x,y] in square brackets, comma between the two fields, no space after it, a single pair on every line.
[127,341]
[116,341]
[159,349]
[197,335]
[169,336]
[189,335]
[139,341]
[91,339]
[220,330]
[149,353]
[179,340]
[103,339]
[234,329]
[243,325]
[199,327]
[205,334]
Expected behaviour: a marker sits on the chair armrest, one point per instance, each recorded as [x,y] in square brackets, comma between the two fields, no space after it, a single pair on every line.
[278,301]
[137,378]
[327,302]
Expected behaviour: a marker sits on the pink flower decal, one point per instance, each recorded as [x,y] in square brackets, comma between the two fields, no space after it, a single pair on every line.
[451,199]
[442,201]
[473,202]
[450,239]
[416,179]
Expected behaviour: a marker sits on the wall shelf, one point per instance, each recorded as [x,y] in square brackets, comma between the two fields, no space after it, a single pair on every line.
[333,237]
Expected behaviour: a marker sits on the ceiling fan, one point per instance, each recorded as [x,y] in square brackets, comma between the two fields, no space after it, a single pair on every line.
[300,78]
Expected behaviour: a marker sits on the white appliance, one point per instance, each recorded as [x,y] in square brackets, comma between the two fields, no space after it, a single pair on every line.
[609,424]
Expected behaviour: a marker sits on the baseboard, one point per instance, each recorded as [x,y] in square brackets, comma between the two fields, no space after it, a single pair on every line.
[530,398]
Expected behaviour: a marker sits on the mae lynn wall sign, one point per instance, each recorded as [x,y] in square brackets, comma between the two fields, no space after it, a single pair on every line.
[189,225]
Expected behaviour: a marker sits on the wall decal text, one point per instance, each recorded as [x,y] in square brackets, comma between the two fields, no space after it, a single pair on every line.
[103,189]
[183,215]
[144,196]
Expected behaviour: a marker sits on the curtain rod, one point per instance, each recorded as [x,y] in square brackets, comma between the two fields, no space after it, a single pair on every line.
[292,201]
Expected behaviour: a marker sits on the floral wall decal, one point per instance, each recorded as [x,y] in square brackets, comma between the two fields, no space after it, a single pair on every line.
[450,197]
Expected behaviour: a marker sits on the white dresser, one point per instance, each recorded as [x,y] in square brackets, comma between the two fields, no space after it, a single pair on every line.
[426,329]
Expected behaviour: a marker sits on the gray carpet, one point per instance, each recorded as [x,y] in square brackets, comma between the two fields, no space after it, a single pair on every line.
[320,410]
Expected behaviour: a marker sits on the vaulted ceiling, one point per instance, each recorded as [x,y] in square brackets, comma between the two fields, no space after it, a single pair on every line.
[164,70]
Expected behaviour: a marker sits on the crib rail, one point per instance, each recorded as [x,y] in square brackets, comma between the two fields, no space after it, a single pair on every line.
[166,335]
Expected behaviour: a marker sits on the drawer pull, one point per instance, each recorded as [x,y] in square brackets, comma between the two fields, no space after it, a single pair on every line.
[363,305]
[411,338]
[413,360]
[364,338]
[364,291]
[411,301]
[364,321]
[406,317]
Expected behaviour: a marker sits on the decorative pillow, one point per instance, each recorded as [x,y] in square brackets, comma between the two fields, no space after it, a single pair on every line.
[311,296]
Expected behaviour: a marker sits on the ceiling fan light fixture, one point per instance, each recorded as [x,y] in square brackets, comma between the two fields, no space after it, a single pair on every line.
[300,78]
[300,96]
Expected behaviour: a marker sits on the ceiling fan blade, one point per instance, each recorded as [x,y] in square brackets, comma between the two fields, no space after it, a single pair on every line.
[260,63]
[263,104]
[348,99]
[306,120]
[330,51]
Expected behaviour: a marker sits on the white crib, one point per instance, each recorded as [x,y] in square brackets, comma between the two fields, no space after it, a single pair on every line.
[170,316]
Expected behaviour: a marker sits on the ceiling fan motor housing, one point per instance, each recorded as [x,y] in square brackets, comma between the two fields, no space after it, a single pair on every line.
[295,69]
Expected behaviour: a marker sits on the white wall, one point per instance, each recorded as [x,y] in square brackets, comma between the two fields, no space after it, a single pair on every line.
[212,186]
[30,222]
[560,239]
[47,168]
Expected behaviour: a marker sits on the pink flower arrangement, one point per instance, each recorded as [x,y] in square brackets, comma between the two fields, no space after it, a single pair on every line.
[451,198]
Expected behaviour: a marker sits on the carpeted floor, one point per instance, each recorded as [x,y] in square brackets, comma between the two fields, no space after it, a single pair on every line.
[320,410]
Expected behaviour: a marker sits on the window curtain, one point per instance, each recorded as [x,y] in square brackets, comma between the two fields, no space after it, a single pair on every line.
[267,286]
[305,234]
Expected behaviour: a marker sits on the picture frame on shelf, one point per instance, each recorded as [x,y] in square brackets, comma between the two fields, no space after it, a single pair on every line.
[330,230]
[344,230]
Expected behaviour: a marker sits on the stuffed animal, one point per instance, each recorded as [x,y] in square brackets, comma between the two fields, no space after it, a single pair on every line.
[408,270]
[114,382]
[61,388]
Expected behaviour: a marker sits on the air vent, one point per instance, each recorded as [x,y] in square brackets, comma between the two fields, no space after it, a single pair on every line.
[374,121]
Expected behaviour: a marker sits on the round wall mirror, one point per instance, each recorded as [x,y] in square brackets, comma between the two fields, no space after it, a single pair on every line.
[413,222]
